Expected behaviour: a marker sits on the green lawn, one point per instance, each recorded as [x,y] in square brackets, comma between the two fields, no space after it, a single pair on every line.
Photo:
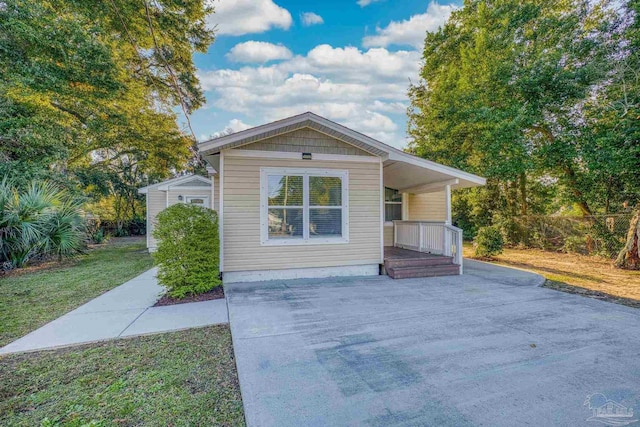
[33,297]
[185,378]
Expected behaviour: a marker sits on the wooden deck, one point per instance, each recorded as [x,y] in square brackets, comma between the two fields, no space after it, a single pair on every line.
[404,263]
[393,253]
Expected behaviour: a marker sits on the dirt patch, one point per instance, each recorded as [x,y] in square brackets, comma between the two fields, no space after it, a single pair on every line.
[215,293]
[588,272]
[563,287]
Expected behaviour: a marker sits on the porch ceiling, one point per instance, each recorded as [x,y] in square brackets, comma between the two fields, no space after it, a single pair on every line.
[419,178]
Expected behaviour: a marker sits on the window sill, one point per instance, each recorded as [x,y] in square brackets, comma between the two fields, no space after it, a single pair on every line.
[303,242]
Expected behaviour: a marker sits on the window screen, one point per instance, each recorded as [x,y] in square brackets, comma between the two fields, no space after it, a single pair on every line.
[285,195]
[392,204]
[304,206]
[325,206]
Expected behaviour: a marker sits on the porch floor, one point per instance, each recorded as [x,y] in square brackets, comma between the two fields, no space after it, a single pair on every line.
[393,253]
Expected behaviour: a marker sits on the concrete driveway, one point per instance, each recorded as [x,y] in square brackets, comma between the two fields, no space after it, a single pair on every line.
[487,348]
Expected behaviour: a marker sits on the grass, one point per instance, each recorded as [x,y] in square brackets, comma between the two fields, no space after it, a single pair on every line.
[587,272]
[31,297]
[174,379]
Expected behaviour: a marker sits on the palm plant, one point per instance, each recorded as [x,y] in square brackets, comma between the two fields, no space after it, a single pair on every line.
[41,220]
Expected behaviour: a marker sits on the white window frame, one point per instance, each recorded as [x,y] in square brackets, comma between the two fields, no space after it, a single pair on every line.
[401,203]
[305,239]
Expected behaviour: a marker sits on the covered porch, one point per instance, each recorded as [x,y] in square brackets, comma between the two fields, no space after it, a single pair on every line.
[419,238]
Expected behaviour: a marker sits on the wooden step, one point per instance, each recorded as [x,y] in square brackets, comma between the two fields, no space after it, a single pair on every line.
[418,262]
[430,271]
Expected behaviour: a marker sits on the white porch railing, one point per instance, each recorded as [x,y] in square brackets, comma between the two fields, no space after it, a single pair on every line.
[429,236]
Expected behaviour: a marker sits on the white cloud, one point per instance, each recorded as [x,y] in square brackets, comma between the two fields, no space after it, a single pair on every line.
[237,17]
[363,3]
[360,89]
[310,18]
[254,51]
[411,31]
[237,125]
[234,125]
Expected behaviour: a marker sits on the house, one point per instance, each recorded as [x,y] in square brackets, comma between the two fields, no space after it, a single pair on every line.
[307,197]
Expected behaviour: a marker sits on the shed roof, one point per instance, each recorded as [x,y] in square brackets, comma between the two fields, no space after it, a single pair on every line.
[180,181]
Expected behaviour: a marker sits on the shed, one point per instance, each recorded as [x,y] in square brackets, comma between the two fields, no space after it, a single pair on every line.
[194,189]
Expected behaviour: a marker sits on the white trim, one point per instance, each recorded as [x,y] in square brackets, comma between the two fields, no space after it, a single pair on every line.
[147,219]
[401,156]
[382,210]
[431,187]
[305,239]
[221,142]
[301,273]
[405,206]
[164,185]
[174,189]
[390,153]
[234,152]
[447,202]
[221,212]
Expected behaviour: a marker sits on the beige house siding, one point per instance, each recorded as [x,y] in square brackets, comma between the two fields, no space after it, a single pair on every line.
[175,192]
[216,186]
[241,230]
[388,234]
[157,202]
[305,141]
[428,206]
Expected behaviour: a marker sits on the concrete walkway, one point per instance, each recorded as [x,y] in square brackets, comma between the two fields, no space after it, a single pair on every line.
[123,311]
[490,348]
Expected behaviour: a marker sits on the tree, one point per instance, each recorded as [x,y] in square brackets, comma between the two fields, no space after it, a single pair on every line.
[502,94]
[87,87]
[629,256]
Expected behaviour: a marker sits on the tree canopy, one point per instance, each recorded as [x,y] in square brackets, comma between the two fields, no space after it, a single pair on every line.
[539,96]
[89,91]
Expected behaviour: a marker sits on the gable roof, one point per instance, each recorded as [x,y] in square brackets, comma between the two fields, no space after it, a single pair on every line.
[174,182]
[335,130]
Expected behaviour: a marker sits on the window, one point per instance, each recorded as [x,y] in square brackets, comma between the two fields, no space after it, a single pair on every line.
[392,204]
[304,206]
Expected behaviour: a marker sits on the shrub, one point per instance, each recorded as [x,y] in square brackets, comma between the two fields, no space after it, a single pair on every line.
[99,237]
[41,220]
[576,245]
[488,242]
[188,248]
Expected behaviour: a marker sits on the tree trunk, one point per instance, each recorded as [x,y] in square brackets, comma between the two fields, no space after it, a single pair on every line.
[579,197]
[607,203]
[523,194]
[512,194]
[629,258]
[569,173]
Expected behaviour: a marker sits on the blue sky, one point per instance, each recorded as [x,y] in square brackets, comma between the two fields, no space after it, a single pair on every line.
[348,60]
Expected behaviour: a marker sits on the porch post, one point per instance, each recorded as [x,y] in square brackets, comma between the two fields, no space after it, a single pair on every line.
[405,206]
[447,190]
